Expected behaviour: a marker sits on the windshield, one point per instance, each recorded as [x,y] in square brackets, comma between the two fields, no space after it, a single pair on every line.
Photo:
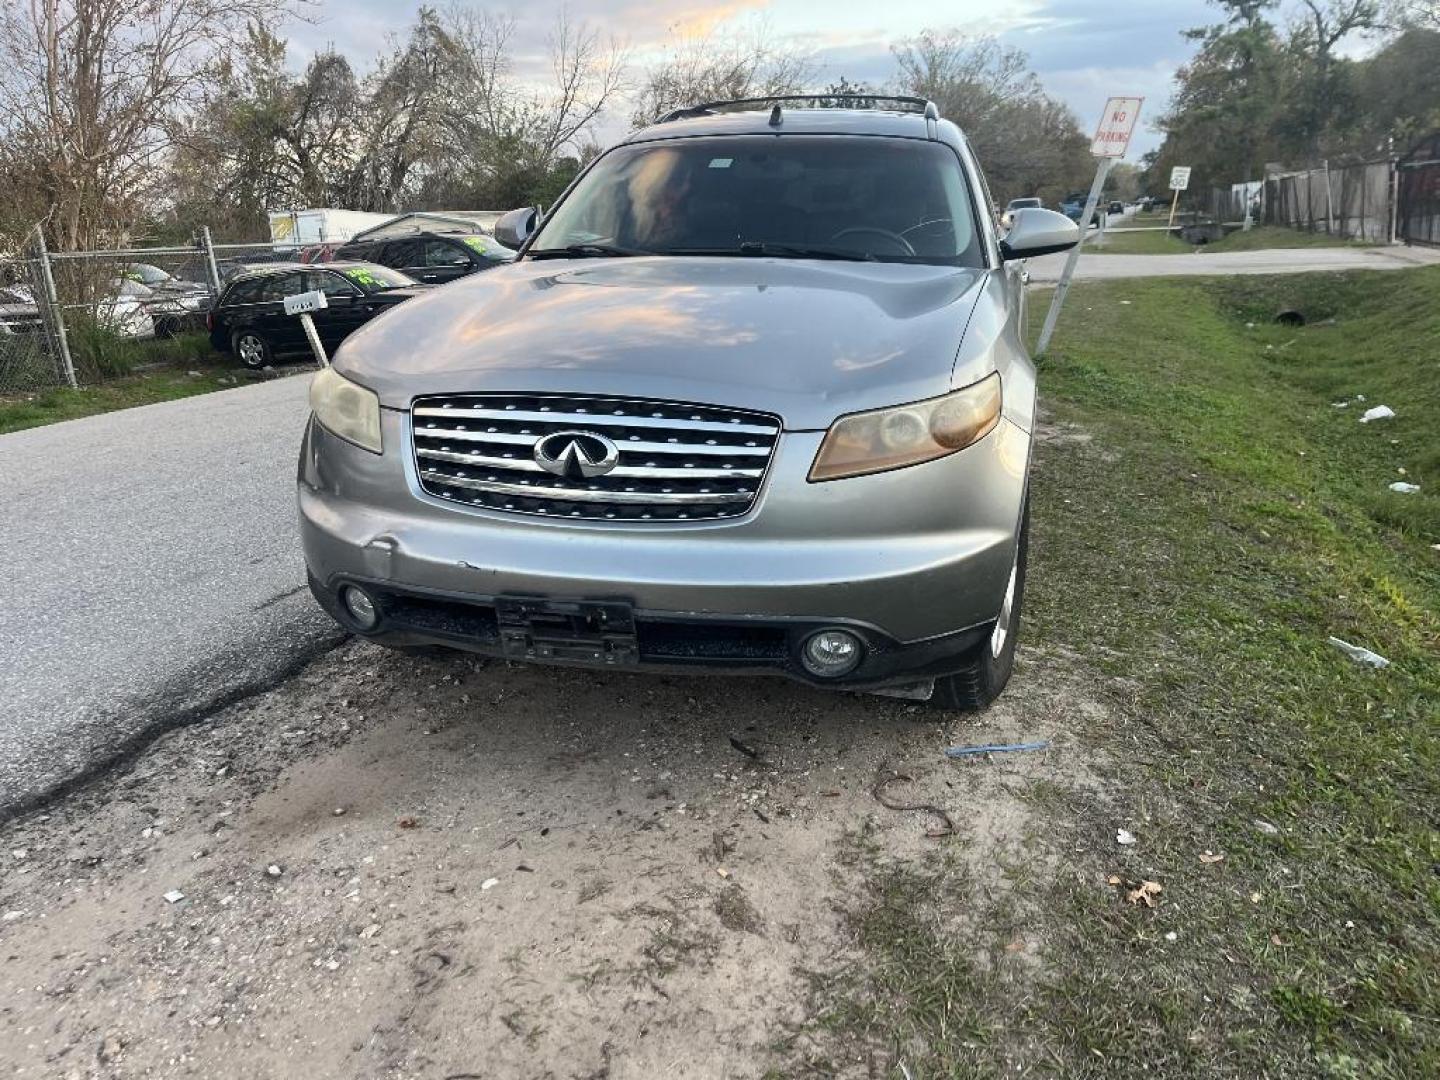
[375,278]
[1023,204]
[798,196]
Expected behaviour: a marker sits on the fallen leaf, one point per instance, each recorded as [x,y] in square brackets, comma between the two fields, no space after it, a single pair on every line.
[1207,856]
[1275,940]
[722,871]
[1145,893]
[408,823]
[1114,879]
[1016,945]
[1254,898]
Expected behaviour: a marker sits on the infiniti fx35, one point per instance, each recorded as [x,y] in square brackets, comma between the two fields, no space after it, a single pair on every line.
[753,397]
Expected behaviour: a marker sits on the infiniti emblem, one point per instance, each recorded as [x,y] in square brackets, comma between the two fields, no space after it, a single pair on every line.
[576,455]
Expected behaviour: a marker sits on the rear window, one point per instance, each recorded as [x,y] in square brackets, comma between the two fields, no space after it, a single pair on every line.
[861,197]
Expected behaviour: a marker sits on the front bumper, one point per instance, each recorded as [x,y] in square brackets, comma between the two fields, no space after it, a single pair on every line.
[914,561]
[664,640]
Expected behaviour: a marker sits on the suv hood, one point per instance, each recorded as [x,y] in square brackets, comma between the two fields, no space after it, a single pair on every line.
[807,340]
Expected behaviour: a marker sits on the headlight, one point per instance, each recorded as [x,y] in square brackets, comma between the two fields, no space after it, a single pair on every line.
[872,442]
[346,410]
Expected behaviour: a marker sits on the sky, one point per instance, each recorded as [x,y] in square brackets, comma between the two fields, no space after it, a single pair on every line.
[1083,51]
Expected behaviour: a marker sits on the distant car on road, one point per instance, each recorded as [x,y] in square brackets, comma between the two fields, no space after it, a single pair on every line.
[431,257]
[1074,206]
[1028,203]
[1117,207]
[249,319]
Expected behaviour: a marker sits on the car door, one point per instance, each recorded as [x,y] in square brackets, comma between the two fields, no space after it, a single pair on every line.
[407,256]
[346,309]
[283,331]
[445,260]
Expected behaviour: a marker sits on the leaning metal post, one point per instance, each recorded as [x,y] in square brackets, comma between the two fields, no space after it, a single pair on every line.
[210,268]
[52,301]
[1074,257]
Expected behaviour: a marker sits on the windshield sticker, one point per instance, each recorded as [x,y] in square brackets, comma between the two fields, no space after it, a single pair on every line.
[721,162]
[363,277]
[477,243]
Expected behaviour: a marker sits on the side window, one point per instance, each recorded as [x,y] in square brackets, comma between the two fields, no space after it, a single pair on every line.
[277,287]
[328,283]
[242,292]
[404,253]
[444,253]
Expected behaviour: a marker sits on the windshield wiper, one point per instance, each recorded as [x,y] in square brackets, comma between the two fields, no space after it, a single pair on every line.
[784,251]
[583,251]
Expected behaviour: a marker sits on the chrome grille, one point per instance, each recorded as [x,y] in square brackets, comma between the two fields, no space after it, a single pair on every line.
[676,462]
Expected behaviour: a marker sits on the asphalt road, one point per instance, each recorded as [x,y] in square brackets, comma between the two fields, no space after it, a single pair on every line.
[151,571]
[1047,268]
[150,563]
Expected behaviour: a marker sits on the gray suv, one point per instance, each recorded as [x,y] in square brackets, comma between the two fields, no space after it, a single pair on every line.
[753,397]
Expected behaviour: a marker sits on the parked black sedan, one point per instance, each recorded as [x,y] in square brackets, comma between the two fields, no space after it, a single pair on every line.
[249,319]
[431,257]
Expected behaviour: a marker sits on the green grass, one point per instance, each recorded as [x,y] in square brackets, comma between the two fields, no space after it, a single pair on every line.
[1225,519]
[179,357]
[1136,241]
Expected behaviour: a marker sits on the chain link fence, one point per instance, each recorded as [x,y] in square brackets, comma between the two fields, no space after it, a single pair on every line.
[31,355]
[79,318]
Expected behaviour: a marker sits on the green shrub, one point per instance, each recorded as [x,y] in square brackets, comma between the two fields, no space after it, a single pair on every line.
[98,350]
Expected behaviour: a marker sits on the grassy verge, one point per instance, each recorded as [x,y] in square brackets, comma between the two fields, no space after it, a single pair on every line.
[1136,241]
[1226,519]
[188,367]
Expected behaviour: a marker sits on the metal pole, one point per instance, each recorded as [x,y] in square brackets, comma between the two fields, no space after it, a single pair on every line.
[1394,201]
[57,316]
[1174,198]
[1063,286]
[314,338]
[210,267]
[1329,202]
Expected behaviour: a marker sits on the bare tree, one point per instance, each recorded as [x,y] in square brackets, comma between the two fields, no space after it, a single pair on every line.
[90,87]
[1028,143]
[716,67]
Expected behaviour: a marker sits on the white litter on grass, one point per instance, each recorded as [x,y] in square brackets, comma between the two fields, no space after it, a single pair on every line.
[1124,837]
[1359,655]
[1404,488]
[489,883]
[1266,828]
[1379,412]
[174,896]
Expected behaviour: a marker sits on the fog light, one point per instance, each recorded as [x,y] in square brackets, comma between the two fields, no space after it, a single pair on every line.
[831,652]
[360,606]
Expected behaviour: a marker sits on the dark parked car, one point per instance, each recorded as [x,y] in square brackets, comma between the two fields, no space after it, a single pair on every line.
[431,257]
[1117,207]
[250,321]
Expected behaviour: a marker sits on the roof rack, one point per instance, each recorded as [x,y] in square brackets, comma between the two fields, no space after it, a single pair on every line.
[926,108]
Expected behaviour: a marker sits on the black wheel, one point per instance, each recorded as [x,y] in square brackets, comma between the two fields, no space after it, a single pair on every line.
[252,350]
[988,666]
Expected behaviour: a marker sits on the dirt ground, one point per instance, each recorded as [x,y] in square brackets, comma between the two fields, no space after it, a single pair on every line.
[404,867]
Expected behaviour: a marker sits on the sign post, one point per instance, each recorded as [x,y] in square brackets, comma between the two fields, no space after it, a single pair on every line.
[302,305]
[1112,139]
[1179,181]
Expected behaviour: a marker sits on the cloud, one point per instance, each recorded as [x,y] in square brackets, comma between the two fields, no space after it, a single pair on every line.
[1083,52]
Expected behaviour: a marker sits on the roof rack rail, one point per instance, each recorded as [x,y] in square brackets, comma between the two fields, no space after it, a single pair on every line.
[817,101]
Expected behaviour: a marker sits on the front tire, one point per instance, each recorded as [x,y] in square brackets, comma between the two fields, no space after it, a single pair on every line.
[252,350]
[989,665]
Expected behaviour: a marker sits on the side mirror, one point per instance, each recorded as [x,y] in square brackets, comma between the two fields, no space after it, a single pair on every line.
[1038,232]
[514,227]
